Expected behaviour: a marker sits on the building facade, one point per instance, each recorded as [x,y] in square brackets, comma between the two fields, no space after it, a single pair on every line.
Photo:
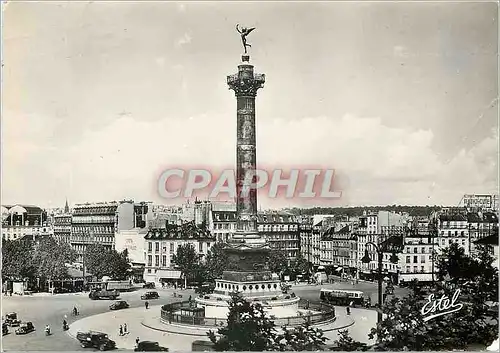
[19,221]
[160,246]
[97,223]
[222,221]
[281,230]
[62,228]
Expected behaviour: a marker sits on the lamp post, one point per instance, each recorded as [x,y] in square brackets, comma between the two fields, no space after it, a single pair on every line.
[366,259]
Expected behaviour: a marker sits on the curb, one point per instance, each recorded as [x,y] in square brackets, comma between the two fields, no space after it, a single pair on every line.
[204,334]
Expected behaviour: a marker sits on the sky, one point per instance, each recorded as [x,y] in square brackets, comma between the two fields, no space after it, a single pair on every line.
[99,98]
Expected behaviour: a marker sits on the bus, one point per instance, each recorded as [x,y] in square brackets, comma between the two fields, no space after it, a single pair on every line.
[341,297]
[121,286]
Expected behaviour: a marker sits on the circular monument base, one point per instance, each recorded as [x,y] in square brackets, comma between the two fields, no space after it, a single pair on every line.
[217,306]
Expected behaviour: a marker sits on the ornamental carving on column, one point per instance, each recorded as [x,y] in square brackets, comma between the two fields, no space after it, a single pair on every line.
[245,86]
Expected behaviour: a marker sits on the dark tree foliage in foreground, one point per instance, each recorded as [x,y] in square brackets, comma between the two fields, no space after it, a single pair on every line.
[474,325]
[476,281]
[249,329]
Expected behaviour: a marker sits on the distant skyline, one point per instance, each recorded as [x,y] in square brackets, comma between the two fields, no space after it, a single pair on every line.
[100,97]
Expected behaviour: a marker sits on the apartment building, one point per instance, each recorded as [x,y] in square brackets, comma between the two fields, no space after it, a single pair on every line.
[19,221]
[281,230]
[160,245]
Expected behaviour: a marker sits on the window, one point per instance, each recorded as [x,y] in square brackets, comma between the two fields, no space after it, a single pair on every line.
[157,246]
[157,260]
[150,260]
[415,269]
[415,259]
[408,259]
[150,246]
[200,247]
[407,269]
[422,269]
[415,250]
[171,247]
[422,259]
[164,261]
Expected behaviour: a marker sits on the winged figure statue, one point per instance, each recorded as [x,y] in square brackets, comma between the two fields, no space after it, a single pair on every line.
[244,32]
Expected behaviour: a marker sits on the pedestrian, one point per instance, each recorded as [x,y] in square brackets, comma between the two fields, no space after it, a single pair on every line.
[348,310]
[190,299]
[137,340]
[125,329]
[146,304]
[121,330]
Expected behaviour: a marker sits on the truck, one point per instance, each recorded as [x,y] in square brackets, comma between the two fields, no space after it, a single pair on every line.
[97,294]
[94,339]
[122,286]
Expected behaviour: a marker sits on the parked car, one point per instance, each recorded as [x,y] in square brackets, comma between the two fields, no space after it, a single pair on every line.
[24,328]
[120,304]
[5,329]
[150,346]
[150,295]
[149,285]
[12,320]
[94,339]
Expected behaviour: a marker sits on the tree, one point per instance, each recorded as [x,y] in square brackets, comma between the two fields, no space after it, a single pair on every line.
[216,261]
[278,261]
[101,261]
[17,259]
[345,343]
[96,258]
[300,264]
[247,329]
[51,258]
[250,329]
[186,259]
[302,338]
[404,326]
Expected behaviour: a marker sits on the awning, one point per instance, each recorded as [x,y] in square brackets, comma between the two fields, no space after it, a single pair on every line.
[338,269]
[169,274]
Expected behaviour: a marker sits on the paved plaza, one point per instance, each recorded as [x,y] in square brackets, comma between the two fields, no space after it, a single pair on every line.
[51,309]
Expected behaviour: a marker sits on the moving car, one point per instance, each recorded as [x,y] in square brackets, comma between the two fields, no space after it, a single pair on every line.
[150,295]
[205,288]
[24,328]
[94,339]
[150,346]
[149,285]
[120,304]
[11,319]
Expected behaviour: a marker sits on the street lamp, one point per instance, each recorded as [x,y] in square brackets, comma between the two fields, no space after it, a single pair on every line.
[366,259]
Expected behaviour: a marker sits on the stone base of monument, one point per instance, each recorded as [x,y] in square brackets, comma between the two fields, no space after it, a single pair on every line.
[217,306]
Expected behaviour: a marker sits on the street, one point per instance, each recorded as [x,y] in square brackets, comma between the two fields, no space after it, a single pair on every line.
[48,309]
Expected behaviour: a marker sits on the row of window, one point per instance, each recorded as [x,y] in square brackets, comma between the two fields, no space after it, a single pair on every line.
[172,246]
[415,259]
[93,229]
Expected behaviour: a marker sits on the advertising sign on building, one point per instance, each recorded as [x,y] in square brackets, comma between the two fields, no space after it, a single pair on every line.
[478,201]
